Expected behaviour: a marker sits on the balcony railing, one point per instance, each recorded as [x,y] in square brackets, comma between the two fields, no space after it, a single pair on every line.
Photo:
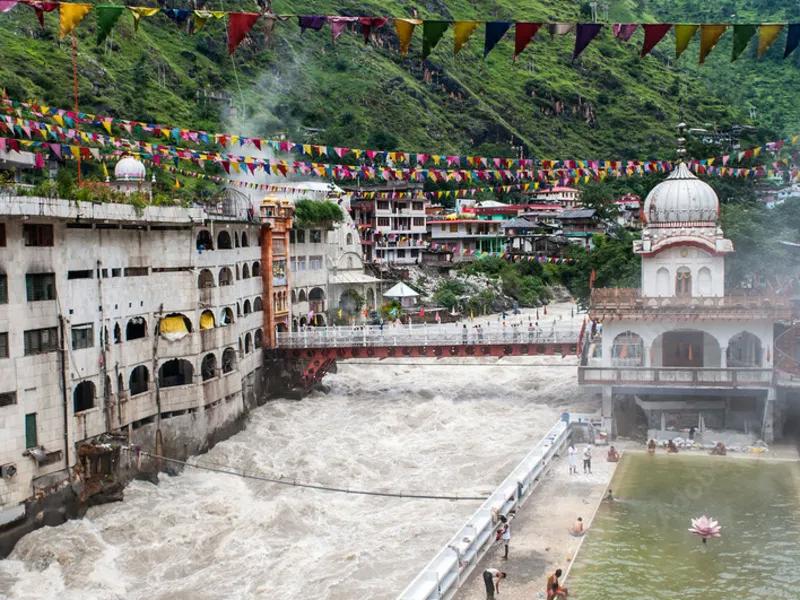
[735,302]
[676,376]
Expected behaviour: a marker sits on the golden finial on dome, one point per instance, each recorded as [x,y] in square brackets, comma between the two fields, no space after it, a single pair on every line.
[681,141]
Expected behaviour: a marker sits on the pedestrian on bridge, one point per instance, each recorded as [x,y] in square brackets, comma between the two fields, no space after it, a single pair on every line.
[491,579]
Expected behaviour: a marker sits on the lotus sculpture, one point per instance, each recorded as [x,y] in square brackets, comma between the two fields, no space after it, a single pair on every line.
[705,527]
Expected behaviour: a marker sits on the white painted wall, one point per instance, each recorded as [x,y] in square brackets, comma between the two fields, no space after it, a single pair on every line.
[708,272]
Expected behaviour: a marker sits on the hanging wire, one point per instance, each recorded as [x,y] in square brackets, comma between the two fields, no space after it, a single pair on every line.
[227,470]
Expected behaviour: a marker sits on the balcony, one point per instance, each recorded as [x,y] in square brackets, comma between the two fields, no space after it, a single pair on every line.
[629,303]
[676,377]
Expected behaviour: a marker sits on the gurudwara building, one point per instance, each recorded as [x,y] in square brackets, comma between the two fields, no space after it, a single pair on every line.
[683,351]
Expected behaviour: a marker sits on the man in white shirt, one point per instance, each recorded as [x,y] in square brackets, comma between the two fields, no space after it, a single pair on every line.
[491,579]
[573,459]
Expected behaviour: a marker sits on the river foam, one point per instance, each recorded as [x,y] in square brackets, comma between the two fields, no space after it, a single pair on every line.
[203,535]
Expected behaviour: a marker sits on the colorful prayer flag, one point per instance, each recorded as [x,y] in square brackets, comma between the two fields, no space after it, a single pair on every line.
[462,30]
[141,11]
[653,33]
[741,37]
[709,36]
[792,39]
[767,34]
[107,17]
[523,34]
[405,29]
[624,31]
[432,32]
[495,30]
[584,34]
[683,35]
[238,26]
[70,15]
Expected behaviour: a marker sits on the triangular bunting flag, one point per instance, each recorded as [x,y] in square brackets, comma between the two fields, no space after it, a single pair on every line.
[741,37]
[141,11]
[370,23]
[7,5]
[495,30]
[315,22]
[201,17]
[792,39]
[560,28]
[339,24]
[523,34]
[683,35]
[432,32]
[584,34]
[405,29]
[653,33]
[70,15]
[107,17]
[709,36]
[462,30]
[238,26]
[767,34]
[624,31]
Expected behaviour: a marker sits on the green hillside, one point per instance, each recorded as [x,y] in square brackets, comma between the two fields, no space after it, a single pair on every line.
[609,103]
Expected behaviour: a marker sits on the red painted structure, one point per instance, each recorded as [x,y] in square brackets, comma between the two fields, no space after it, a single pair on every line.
[307,366]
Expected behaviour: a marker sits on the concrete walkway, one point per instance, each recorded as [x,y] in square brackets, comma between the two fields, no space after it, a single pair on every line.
[540,539]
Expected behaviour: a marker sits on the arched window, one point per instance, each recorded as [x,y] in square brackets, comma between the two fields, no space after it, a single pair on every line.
[256,269]
[175,372]
[246,307]
[302,296]
[224,240]
[349,239]
[236,238]
[683,282]
[227,316]
[204,240]
[205,279]
[257,305]
[245,271]
[258,338]
[244,240]
[349,262]
[117,334]
[207,320]
[294,297]
[627,350]
[175,326]
[208,368]
[248,343]
[120,383]
[744,350]
[238,309]
[663,287]
[238,273]
[136,328]
[104,341]
[83,396]
[139,381]
[316,294]
[704,282]
[228,360]
[225,276]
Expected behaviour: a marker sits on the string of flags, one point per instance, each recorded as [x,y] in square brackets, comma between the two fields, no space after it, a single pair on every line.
[239,24]
[56,150]
[68,121]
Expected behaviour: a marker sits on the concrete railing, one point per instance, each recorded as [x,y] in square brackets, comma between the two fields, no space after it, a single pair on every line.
[711,377]
[422,335]
[452,565]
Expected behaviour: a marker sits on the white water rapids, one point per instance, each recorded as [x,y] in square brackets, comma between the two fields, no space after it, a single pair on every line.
[203,535]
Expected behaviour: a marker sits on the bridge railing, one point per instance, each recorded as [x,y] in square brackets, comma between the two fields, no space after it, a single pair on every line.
[422,335]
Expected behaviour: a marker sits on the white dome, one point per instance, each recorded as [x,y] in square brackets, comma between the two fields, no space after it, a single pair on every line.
[129,169]
[681,197]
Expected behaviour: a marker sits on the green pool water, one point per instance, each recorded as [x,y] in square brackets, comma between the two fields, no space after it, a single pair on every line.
[639,548]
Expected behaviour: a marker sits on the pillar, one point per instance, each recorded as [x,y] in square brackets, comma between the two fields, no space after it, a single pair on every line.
[768,425]
[607,410]
[266,286]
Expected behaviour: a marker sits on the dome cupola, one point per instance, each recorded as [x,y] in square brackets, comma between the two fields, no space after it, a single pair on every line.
[129,169]
[681,198]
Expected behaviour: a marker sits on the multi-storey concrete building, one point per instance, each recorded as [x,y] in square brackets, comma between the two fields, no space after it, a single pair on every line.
[392,222]
[142,323]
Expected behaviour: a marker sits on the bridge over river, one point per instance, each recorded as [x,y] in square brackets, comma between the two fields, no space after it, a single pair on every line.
[311,353]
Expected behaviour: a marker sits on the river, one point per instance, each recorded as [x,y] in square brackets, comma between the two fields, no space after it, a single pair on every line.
[202,535]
